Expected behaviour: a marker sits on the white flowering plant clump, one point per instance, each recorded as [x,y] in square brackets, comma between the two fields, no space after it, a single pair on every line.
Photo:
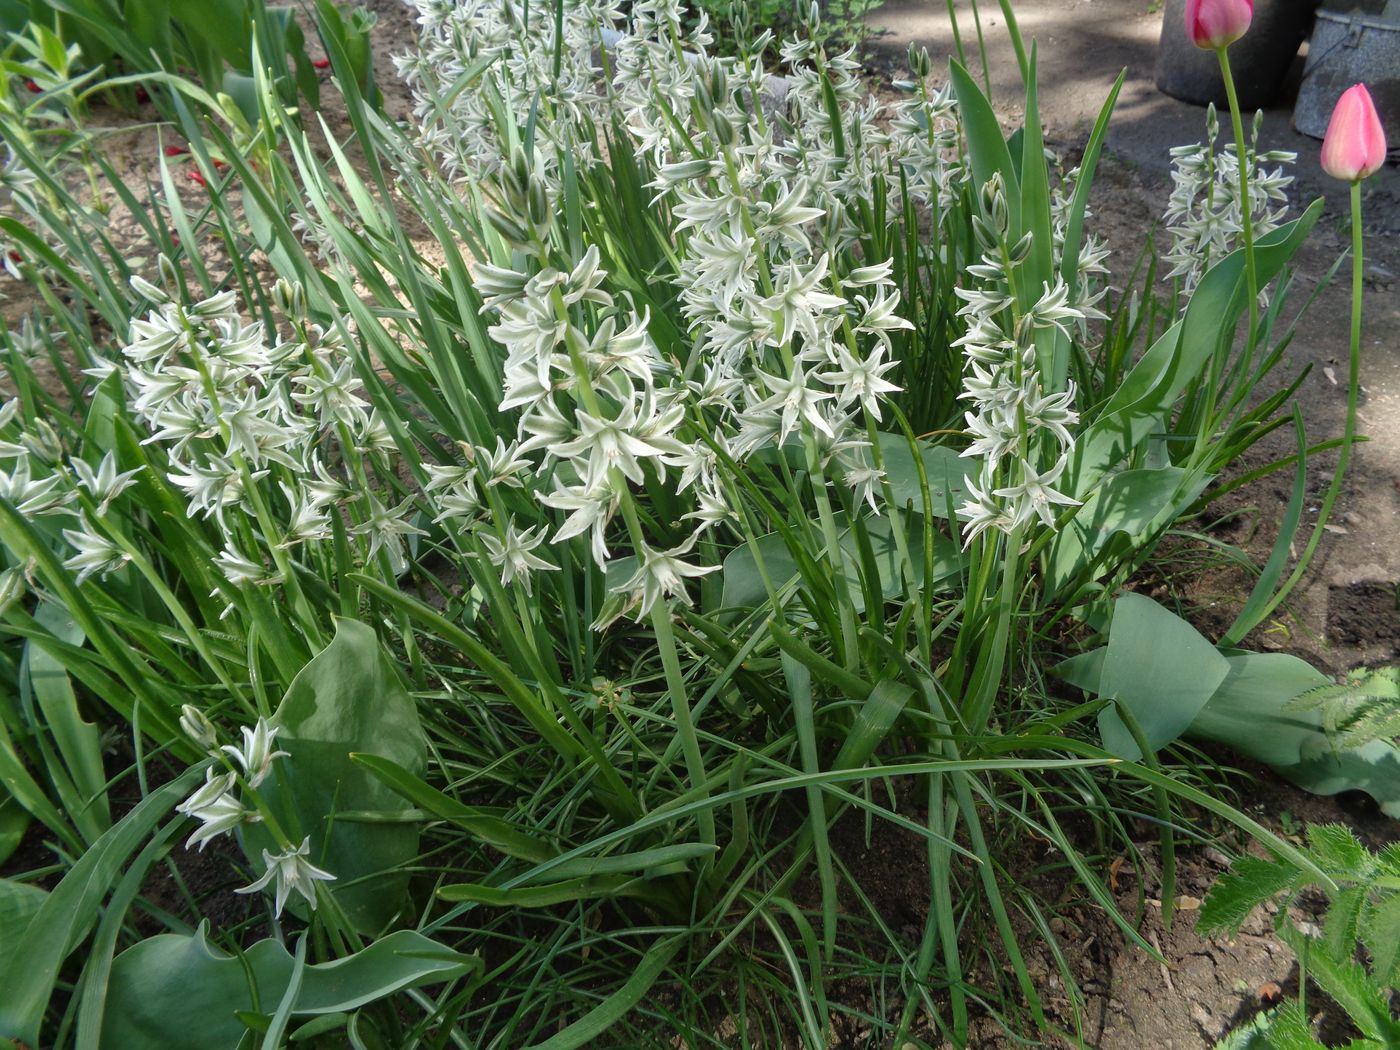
[636,436]
[1205,213]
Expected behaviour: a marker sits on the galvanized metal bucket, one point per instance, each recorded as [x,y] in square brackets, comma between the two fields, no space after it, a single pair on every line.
[1349,49]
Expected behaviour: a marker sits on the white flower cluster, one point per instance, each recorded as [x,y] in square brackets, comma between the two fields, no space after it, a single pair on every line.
[44,481]
[518,39]
[17,184]
[791,339]
[1016,425]
[242,417]
[219,810]
[1205,215]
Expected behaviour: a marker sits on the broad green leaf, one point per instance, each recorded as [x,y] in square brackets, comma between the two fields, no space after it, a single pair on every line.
[348,699]
[1130,503]
[19,903]
[945,469]
[1247,710]
[1251,713]
[1160,667]
[179,990]
[1373,768]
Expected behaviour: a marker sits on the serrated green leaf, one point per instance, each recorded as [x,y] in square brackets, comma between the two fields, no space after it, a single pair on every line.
[1336,849]
[1380,933]
[1249,883]
[1290,1030]
[1348,982]
[1339,930]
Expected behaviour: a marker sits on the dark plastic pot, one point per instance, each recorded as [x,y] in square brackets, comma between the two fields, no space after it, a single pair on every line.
[1259,60]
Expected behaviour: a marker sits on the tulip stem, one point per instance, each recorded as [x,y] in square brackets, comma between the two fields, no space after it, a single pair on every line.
[1353,395]
[1246,205]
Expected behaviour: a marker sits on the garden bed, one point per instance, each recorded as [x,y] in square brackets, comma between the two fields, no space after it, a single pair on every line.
[1345,616]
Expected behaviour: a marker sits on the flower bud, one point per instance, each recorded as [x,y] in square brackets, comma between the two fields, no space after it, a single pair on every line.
[704,101]
[43,442]
[12,587]
[147,290]
[290,298]
[723,129]
[168,273]
[1216,24]
[511,230]
[538,204]
[919,62]
[196,725]
[1354,146]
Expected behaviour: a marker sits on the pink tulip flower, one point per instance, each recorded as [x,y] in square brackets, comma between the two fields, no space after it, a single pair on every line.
[1213,24]
[1355,143]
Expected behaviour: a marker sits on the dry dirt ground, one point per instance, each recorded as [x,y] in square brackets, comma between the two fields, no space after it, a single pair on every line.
[1344,617]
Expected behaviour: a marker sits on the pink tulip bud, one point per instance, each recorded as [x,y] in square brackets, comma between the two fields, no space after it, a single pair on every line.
[1355,144]
[1213,24]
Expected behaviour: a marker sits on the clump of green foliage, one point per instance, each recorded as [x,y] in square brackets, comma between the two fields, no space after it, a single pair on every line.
[221,43]
[518,550]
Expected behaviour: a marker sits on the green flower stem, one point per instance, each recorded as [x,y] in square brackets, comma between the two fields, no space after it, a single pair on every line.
[1246,206]
[675,680]
[1353,394]
[660,616]
[992,663]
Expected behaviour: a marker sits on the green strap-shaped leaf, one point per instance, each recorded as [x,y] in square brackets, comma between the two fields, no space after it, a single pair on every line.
[986,146]
[588,1028]
[489,827]
[1180,356]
